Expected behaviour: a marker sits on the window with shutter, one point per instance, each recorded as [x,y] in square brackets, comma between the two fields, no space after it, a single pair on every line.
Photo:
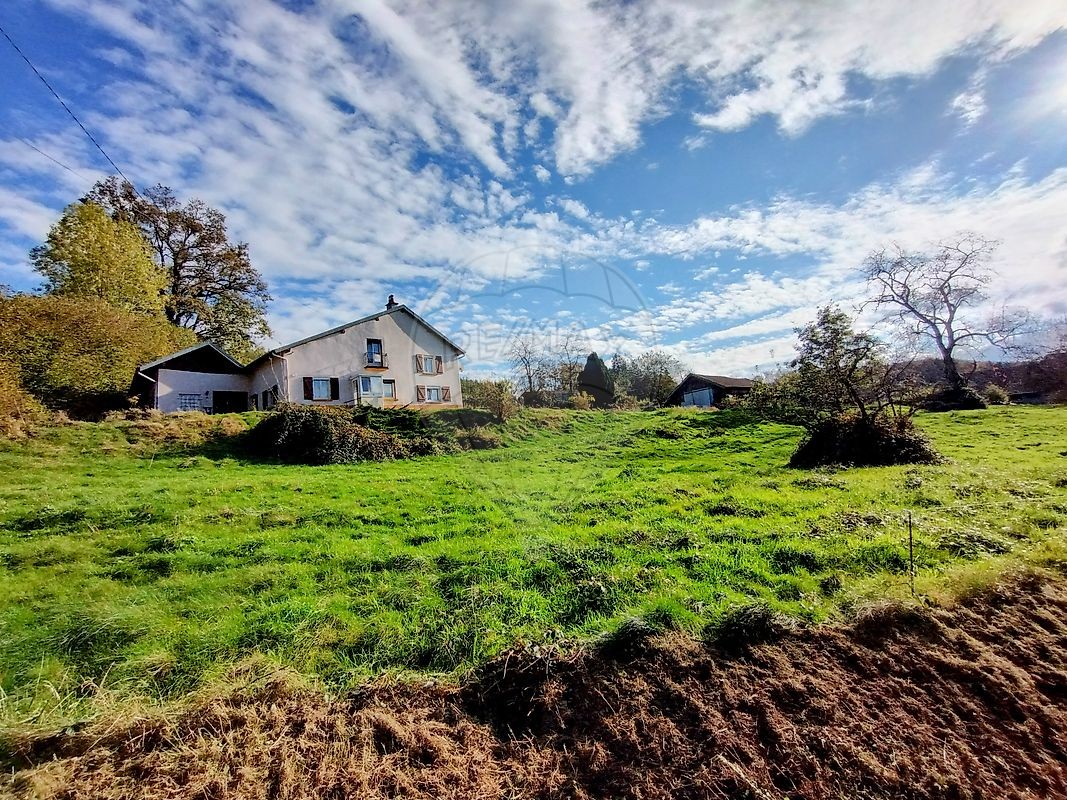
[446,394]
[420,394]
[335,388]
[438,365]
[309,388]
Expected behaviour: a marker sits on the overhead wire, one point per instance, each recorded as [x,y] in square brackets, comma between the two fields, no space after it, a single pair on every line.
[66,108]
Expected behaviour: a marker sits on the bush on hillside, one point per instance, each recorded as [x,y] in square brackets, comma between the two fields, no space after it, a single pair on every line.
[961,399]
[478,439]
[19,411]
[79,354]
[857,442]
[495,396]
[298,434]
[995,395]
[582,401]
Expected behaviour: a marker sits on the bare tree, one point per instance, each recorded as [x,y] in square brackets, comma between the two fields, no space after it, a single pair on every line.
[527,357]
[570,358]
[934,295]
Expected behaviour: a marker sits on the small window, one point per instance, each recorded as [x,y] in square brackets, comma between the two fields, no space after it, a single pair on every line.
[389,389]
[188,402]
[427,364]
[374,353]
[365,385]
[433,394]
[320,389]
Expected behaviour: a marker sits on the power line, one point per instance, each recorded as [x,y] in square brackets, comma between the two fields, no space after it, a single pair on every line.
[53,159]
[66,108]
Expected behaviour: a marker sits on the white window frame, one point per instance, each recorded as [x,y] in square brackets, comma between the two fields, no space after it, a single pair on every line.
[389,388]
[316,394]
[429,394]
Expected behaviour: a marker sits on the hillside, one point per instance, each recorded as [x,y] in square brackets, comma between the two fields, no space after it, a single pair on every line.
[139,562]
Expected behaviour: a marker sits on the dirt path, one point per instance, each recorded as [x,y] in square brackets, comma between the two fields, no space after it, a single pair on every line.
[963,703]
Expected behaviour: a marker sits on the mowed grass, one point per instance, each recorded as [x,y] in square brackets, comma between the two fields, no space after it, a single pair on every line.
[149,570]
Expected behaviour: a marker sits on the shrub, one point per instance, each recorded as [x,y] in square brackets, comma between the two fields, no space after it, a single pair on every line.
[876,442]
[962,399]
[478,439]
[299,434]
[497,397]
[626,402]
[582,401]
[995,395]
[19,411]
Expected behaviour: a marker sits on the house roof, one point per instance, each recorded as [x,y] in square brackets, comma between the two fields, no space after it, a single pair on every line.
[722,381]
[218,351]
[279,350]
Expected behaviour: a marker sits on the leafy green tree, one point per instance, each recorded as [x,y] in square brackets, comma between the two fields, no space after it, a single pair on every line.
[650,376]
[495,396]
[87,254]
[212,287]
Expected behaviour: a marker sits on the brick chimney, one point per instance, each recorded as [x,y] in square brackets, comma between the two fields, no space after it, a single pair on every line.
[391,304]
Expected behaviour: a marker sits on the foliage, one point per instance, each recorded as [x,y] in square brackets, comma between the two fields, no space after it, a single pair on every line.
[212,287]
[582,401]
[315,435]
[19,410]
[932,296]
[995,394]
[80,353]
[478,438]
[864,442]
[650,376]
[837,372]
[848,396]
[495,396]
[962,398]
[87,254]
[152,571]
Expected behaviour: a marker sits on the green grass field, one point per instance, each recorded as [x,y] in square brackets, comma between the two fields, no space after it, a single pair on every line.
[149,570]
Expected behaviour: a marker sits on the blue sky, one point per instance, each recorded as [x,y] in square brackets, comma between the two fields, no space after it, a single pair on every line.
[692,176]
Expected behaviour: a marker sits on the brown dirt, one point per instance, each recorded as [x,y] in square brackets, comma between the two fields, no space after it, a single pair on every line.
[967,702]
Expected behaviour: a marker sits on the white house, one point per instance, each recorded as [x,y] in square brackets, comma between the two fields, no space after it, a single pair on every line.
[391,358]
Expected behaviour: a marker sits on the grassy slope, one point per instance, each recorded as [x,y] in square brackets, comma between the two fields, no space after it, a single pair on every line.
[151,572]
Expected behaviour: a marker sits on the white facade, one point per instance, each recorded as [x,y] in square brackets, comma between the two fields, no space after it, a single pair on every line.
[389,359]
[181,390]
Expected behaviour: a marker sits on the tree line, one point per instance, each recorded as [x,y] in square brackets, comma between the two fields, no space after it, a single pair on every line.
[128,276]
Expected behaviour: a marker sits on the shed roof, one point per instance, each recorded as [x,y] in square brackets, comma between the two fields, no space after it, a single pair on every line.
[718,381]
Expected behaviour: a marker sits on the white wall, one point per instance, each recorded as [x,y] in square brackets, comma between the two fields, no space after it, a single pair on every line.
[172,382]
[269,374]
[342,356]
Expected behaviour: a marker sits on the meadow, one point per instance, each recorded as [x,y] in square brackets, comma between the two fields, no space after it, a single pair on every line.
[138,564]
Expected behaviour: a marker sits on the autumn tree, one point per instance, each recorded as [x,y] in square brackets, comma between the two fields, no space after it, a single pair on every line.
[211,286]
[938,296]
[87,254]
[80,353]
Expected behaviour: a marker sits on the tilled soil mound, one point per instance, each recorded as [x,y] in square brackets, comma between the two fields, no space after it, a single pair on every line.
[968,702]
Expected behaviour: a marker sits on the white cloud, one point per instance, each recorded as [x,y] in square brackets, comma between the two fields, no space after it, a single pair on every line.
[542,174]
